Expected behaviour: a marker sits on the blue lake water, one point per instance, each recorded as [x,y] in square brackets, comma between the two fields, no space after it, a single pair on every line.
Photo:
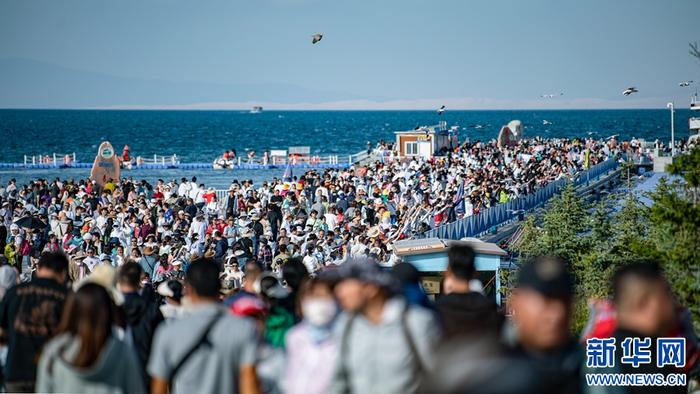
[200,136]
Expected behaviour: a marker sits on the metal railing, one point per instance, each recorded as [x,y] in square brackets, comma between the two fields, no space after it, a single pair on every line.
[278,160]
[55,159]
[358,157]
[157,159]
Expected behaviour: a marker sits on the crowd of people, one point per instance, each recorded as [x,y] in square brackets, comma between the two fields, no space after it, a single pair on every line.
[323,216]
[276,287]
[353,328]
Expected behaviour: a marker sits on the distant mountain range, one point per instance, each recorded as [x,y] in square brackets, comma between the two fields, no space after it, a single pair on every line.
[28,83]
[33,84]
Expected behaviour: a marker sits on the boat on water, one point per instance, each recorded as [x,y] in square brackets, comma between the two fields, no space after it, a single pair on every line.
[545,122]
[256,110]
[221,163]
[694,121]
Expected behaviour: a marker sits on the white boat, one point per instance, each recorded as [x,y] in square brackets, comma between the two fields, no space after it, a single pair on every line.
[256,110]
[545,122]
[221,163]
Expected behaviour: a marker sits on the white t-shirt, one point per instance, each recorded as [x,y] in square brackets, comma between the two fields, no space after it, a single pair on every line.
[311,263]
[331,221]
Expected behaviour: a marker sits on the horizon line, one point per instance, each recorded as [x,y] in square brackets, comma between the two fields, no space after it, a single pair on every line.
[165,108]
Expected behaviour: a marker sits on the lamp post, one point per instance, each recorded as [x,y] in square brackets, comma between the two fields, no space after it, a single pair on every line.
[673,141]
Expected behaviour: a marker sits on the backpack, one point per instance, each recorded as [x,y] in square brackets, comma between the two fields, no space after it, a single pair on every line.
[419,366]
[202,341]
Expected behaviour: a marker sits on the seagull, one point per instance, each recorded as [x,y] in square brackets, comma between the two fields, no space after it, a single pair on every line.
[685,83]
[629,91]
[316,38]
[441,110]
[545,122]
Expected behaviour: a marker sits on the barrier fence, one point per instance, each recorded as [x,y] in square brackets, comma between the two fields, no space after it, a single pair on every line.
[502,213]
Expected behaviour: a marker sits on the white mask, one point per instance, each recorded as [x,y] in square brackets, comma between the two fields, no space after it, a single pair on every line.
[319,311]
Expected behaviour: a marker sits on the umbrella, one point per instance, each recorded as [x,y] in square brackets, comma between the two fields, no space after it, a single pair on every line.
[30,222]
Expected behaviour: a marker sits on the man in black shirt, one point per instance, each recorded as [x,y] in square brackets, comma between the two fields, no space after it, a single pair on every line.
[220,247]
[645,310]
[29,315]
[190,208]
[463,310]
[274,213]
[231,204]
[142,313]
[543,303]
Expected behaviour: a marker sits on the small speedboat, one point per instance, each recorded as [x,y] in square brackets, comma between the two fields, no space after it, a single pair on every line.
[221,163]
[545,122]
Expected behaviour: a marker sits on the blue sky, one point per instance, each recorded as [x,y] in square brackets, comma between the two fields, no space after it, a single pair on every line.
[374,54]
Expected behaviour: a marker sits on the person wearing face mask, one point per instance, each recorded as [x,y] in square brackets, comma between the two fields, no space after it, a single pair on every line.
[312,350]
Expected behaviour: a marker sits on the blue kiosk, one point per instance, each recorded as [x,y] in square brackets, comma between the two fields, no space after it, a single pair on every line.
[429,256]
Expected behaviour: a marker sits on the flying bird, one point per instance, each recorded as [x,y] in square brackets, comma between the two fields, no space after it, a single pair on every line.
[316,38]
[685,83]
[441,110]
[629,91]
[545,122]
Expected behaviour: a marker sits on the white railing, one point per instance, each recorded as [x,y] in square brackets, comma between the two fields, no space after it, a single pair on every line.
[281,161]
[158,159]
[221,195]
[54,159]
[358,157]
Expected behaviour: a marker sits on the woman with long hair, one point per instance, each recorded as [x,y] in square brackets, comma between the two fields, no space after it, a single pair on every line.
[86,355]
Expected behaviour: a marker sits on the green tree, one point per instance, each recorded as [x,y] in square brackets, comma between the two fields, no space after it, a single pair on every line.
[674,240]
[562,234]
[532,242]
[563,225]
[630,227]
[601,230]
[694,50]
[688,167]
[596,245]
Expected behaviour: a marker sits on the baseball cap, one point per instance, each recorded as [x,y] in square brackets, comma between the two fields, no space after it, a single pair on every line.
[248,306]
[548,276]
